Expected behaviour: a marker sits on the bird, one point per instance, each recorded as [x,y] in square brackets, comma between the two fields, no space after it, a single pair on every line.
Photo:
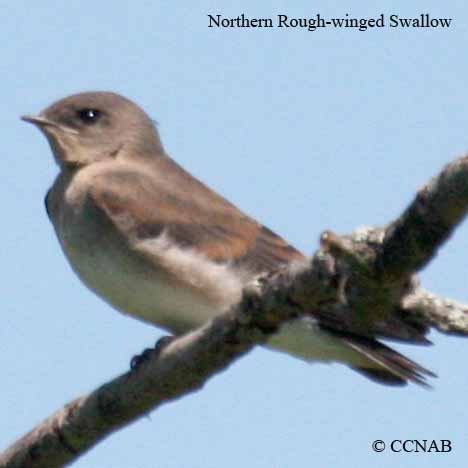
[159,245]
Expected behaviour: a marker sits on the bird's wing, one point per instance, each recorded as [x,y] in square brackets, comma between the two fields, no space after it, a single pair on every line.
[142,207]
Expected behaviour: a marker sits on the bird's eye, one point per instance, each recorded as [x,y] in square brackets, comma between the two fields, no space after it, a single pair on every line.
[89,116]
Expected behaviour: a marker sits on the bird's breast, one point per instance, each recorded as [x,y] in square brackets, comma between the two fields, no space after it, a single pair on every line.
[155,281]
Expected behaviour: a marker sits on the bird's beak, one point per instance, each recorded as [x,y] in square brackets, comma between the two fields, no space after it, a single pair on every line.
[43,122]
[38,120]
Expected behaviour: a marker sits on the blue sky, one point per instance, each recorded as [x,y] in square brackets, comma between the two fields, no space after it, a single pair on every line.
[305,131]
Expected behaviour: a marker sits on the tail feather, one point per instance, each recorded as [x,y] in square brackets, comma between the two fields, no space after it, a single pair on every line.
[386,365]
[307,339]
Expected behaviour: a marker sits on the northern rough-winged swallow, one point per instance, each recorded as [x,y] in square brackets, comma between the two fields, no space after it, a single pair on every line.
[159,245]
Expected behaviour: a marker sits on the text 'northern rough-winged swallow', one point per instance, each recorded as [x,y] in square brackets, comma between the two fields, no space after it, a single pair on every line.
[157,244]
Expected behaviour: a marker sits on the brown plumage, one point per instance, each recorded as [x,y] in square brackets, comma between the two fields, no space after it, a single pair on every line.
[158,244]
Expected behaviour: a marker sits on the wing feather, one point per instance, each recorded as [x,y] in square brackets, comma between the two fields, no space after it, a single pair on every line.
[142,207]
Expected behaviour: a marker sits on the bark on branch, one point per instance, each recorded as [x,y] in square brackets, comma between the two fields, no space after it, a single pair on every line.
[363,283]
[413,239]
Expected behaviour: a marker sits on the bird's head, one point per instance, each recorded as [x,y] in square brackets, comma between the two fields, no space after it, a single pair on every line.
[93,126]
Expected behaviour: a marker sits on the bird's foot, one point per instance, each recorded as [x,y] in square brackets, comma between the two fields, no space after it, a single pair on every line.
[139,359]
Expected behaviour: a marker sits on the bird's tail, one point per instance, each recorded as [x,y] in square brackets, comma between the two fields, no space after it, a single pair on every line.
[386,366]
[311,341]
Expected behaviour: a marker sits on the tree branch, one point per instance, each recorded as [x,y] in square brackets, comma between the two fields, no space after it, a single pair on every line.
[446,315]
[363,283]
[414,238]
[180,368]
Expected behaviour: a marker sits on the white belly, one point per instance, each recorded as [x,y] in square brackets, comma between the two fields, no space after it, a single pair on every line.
[150,295]
[148,290]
